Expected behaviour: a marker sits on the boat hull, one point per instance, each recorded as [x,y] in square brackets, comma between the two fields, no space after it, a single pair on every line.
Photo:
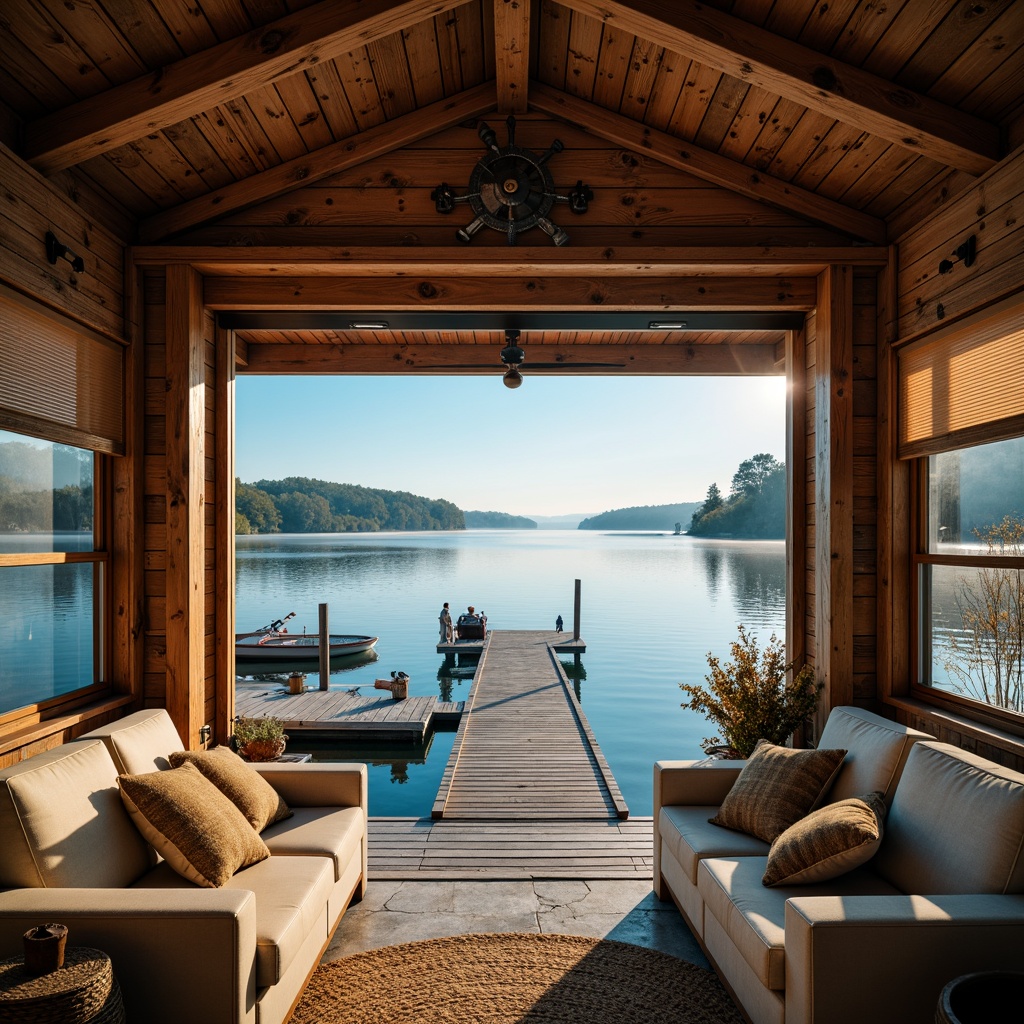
[304,647]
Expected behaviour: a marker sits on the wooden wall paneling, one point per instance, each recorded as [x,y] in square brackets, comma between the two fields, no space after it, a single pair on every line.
[29,207]
[810,333]
[833,429]
[511,30]
[993,211]
[185,412]
[224,536]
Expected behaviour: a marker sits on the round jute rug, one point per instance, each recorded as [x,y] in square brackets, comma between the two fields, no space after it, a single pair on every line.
[508,979]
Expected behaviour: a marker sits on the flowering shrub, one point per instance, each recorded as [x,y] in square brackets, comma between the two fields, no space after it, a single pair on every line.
[750,698]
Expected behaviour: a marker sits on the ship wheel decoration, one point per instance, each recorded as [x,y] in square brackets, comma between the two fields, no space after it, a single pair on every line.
[511,190]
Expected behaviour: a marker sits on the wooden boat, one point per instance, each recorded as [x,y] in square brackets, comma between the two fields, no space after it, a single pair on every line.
[272,643]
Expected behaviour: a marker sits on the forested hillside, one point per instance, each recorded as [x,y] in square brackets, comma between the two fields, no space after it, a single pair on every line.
[642,517]
[299,504]
[755,507]
[497,521]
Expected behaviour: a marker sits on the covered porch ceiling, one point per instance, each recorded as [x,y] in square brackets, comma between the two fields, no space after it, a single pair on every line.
[855,119]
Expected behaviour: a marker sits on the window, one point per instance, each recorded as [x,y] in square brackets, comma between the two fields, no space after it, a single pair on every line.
[52,572]
[970,575]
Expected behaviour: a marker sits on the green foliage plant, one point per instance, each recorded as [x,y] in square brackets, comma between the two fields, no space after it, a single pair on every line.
[754,696]
[266,728]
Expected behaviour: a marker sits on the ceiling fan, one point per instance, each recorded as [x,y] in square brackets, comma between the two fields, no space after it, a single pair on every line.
[513,355]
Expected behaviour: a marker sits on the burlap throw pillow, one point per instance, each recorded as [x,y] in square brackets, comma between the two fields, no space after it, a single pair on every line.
[777,787]
[827,843]
[239,782]
[191,823]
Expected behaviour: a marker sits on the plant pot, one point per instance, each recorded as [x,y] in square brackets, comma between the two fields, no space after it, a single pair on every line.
[262,750]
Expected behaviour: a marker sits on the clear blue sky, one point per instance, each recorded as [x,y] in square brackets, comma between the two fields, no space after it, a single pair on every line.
[555,446]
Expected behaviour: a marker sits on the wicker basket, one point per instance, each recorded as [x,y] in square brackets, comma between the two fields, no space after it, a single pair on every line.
[83,991]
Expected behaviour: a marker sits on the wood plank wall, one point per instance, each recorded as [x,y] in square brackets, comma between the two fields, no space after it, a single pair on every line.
[637,200]
[155,501]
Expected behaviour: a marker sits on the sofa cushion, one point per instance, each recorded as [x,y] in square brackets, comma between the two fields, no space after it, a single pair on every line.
[332,832]
[258,801]
[827,843]
[754,917]
[956,825]
[204,837]
[63,823]
[688,835]
[777,786]
[876,751]
[139,742]
[291,901]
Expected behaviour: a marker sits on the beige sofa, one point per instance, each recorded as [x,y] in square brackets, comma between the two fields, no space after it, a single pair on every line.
[942,896]
[241,953]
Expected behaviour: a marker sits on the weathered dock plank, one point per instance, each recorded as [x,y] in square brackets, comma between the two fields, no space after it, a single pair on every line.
[345,714]
[524,749]
[426,850]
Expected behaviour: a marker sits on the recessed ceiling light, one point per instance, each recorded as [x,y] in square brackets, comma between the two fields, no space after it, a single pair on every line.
[379,325]
[667,325]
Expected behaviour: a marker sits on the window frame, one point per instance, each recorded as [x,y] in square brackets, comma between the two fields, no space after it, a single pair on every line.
[102,605]
[920,558]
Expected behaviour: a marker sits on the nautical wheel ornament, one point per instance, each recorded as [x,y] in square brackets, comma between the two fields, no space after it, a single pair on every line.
[511,190]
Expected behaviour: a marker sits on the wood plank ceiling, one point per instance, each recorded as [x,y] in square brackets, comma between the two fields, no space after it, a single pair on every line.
[857,117]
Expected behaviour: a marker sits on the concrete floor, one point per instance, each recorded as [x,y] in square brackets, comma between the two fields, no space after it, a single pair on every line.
[392,912]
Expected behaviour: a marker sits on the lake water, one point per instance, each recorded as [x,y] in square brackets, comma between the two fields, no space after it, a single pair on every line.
[653,605]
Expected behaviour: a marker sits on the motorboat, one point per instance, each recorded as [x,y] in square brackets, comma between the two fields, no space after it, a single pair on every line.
[274,643]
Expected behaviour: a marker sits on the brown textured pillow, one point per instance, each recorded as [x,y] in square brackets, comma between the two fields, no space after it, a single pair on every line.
[239,782]
[777,787]
[190,822]
[827,843]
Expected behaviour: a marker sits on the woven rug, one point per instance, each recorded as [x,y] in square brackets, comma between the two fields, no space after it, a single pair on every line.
[501,979]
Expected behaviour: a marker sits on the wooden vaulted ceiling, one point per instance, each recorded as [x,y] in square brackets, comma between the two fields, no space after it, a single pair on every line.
[858,117]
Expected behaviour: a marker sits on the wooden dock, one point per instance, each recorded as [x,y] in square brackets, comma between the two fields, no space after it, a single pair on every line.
[419,849]
[524,749]
[338,712]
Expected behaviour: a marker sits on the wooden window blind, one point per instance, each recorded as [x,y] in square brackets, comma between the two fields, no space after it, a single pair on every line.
[964,386]
[58,381]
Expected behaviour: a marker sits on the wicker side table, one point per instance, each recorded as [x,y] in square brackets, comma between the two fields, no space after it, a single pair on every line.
[83,991]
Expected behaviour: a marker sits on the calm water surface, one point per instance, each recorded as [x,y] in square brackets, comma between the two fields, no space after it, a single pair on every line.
[653,605]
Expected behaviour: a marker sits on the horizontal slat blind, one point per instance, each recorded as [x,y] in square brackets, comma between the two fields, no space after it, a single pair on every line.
[58,382]
[964,387]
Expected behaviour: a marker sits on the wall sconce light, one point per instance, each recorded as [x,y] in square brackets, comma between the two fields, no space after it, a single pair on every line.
[56,250]
[205,732]
[964,252]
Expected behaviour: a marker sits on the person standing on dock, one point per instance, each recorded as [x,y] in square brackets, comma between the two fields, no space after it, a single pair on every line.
[558,624]
[445,623]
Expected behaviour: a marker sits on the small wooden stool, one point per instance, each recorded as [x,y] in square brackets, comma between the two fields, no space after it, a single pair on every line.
[83,991]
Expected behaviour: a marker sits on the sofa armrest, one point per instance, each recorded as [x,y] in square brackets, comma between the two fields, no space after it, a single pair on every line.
[857,958]
[682,783]
[178,954]
[317,785]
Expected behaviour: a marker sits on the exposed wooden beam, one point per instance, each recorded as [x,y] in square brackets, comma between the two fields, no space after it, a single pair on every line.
[512,54]
[752,55]
[701,163]
[503,262]
[714,360]
[215,75]
[536,293]
[304,170]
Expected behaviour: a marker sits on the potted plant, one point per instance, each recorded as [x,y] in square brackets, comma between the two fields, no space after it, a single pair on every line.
[754,696]
[259,739]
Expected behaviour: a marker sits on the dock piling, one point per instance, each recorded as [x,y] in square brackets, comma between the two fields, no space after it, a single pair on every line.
[325,650]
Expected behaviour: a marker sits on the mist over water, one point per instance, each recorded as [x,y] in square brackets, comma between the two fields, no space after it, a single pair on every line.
[653,605]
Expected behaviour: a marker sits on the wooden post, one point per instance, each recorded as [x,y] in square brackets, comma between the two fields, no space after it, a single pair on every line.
[325,650]
[576,613]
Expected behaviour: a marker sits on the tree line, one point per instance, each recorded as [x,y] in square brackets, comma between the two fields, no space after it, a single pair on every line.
[299,504]
[754,508]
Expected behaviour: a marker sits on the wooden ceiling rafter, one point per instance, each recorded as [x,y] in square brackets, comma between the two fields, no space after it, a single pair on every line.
[771,62]
[337,156]
[512,54]
[705,164]
[223,72]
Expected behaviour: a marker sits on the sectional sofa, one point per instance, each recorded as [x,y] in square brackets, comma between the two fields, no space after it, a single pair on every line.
[942,894]
[237,952]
